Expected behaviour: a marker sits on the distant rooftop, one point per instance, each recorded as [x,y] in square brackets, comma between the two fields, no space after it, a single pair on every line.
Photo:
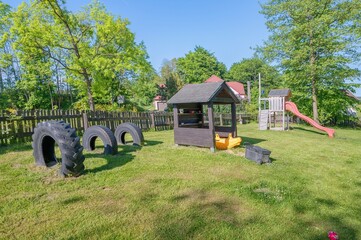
[237,87]
[214,78]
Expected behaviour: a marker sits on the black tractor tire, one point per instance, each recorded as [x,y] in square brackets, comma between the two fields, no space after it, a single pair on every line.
[46,134]
[105,134]
[133,130]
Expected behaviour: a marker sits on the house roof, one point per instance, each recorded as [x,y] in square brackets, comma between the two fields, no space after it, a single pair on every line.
[202,93]
[214,78]
[237,86]
[280,93]
[157,98]
[351,95]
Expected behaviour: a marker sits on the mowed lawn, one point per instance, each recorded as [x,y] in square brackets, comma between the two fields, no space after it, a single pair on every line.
[161,191]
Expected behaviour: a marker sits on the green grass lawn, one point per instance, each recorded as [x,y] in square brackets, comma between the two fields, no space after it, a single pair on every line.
[161,191]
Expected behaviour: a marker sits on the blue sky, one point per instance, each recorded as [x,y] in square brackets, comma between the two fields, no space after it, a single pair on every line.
[172,28]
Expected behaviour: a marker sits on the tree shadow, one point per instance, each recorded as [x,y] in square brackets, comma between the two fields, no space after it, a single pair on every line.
[151,142]
[72,200]
[17,147]
[330,221]
[308,130]
[202,212]
[123,157]
[251,140]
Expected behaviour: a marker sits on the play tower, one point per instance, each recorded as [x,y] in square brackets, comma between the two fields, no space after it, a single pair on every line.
[272,112]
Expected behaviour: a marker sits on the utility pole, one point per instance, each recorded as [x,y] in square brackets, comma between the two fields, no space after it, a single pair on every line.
[259,92]
[249,91]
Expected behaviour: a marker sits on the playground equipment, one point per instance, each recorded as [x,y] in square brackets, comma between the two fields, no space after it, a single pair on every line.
[272,112]
[105,134]
[290,106]
[228,142]
[193,111]
[46,135]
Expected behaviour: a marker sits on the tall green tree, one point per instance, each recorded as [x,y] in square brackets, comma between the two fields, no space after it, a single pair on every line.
[9,64]
[314,43]
[248,70]
[199,65]
[170,77]
[94,48]
[35,81]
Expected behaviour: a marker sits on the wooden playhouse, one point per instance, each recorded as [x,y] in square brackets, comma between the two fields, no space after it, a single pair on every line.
[193,110]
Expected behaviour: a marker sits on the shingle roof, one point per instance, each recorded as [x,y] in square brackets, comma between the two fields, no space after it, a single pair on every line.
[199,93]
[280,93]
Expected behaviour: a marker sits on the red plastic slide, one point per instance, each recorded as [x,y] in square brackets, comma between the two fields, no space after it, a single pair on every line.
[292,107]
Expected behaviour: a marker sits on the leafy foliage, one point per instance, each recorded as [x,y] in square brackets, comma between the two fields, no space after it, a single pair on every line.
[170,76]
[249,70]
[93,50]
[199,65]
[315,45]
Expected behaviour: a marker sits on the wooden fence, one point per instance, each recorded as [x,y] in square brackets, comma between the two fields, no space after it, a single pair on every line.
[18,126]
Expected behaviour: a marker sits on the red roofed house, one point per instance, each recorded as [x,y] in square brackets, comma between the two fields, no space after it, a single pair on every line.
[236,87]
[160,104]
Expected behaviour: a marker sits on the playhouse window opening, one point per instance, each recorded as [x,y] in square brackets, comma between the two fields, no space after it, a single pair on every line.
[193,117]
[222,115]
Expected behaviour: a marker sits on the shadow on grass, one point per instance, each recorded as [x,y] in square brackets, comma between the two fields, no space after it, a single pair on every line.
[73,200]
[123,157]
[204,212]
[251,140]
[17,147]
[329,221]
[151,143]
[308,130]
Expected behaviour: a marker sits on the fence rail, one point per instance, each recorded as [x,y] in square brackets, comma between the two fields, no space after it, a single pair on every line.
[18,126]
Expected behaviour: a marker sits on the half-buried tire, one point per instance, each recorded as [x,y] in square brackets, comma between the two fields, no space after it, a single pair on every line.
[133,130]
[46,134]
[105,134]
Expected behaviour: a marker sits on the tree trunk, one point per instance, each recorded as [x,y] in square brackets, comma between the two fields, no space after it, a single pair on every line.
[314,100]
[69,92]
[1,81]
[58,84]
[51,98]
[89,90]
[313,78]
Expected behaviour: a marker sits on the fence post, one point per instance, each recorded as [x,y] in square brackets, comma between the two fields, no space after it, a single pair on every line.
[220,119]
[85,121]
[152,119]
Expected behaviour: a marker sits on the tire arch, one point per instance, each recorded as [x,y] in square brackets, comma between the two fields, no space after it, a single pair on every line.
[133,130]
[105,134]
[45,135]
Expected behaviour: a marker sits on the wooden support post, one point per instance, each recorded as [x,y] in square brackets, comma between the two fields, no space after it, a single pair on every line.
[175,116]
[175,120]
[211,125]
[283,113]
[234,119]
[249,91]
[85,121]
[152,120]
